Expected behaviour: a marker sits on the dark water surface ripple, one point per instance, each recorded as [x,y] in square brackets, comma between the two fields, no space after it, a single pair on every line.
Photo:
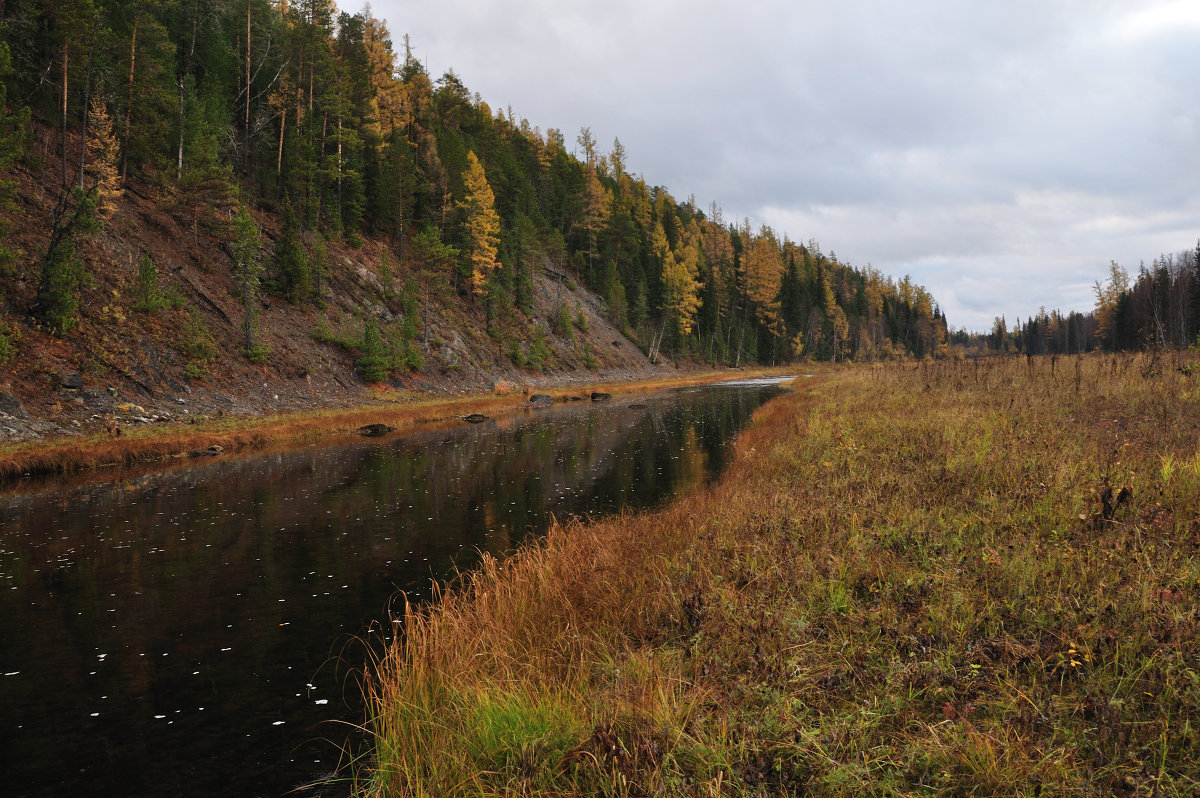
[191,632]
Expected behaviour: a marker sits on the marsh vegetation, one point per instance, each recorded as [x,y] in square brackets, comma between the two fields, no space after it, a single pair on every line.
[953,578]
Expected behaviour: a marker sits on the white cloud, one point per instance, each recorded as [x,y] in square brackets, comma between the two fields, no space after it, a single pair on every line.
[1170,18]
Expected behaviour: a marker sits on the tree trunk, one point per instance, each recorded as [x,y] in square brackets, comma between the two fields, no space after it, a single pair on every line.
[282,126]
[182,82]
[321,166]
[129,104]
[62,134]
[425,320]
[246,121]
[179,152]
[248,321]
[87,90]
[339,171]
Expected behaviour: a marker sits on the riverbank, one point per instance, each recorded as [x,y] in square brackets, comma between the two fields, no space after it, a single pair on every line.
[208,436]
[940,579]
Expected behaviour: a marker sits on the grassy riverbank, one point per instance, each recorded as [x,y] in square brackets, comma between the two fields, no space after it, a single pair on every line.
[936,579]
[160,442]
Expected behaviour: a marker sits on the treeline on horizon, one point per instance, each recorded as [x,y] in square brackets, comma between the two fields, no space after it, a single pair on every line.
[1157,308]
[312,114]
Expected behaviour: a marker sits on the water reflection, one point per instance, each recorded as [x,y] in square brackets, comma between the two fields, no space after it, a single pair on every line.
[177,633]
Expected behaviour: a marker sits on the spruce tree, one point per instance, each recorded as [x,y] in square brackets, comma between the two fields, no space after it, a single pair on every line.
[62,271]
[247,265]
[291,260]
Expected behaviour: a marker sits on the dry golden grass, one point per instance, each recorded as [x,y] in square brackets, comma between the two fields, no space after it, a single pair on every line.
[925,579]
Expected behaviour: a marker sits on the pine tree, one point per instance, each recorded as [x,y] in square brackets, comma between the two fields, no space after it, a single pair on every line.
[144,92]
[14,133]
[372,363]
[291,260]
[247,266]
[148,296]
[432,260]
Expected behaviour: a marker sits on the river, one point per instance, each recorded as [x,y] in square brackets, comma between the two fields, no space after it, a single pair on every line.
[199,631]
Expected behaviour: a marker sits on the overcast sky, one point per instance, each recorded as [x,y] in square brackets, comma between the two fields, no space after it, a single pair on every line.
[1000,153]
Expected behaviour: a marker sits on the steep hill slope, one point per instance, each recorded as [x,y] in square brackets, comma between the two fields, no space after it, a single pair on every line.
[122,365]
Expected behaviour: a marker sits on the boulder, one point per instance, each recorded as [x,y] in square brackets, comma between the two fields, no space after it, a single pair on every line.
[211,451]
[475,418]
[374,430]
[541,399]
[72,381]
[11,406]
[601,397]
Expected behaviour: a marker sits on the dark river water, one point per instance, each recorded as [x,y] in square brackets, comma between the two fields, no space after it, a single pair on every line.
[199,631]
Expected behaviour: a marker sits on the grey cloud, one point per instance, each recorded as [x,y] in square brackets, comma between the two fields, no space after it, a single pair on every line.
[1001,153]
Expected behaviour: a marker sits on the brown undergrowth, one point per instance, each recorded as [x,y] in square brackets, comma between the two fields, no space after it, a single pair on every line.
[926,579]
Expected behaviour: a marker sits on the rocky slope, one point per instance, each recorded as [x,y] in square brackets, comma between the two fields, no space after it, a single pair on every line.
[121,366]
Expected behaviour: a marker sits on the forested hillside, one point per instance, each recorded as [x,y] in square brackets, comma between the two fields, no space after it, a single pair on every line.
[296,151]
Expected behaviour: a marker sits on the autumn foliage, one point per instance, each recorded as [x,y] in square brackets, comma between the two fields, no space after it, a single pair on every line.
[951,578]
[325,118]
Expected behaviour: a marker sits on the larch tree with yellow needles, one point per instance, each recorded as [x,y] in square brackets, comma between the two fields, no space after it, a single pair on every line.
[482,221]
[681,290]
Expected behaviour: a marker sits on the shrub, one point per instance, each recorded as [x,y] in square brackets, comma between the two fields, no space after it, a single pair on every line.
[372,365]
[539,349]
[323,333]
[197,344]
[562,323]
[148,296]
[9,337]
[258,353]
[589,360]
[516,354]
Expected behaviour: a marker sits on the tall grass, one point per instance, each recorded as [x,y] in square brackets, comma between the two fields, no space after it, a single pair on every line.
[927,579]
